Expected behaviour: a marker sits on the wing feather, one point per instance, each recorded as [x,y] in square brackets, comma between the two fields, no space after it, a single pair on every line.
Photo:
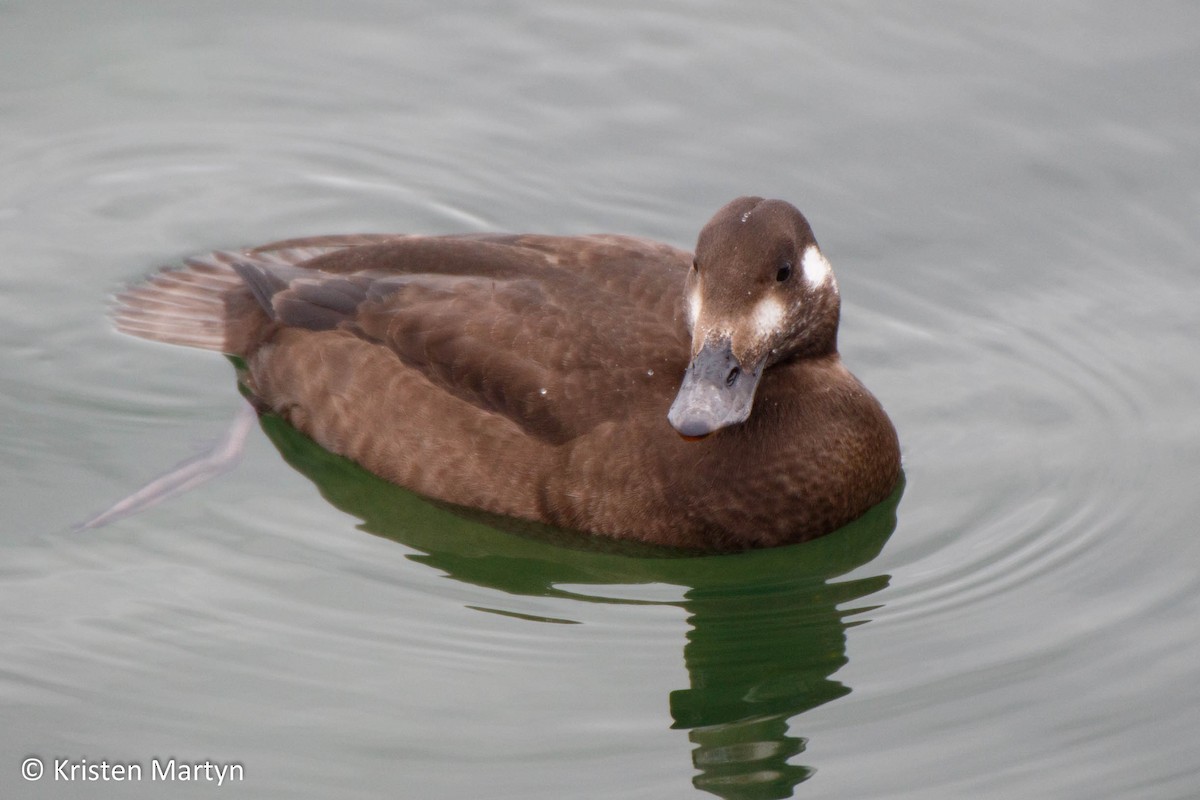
[549,333]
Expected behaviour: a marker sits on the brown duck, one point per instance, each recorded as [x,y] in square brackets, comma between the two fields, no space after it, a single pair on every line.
[603,383]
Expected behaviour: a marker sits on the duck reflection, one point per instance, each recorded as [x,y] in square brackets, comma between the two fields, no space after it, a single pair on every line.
[767,628]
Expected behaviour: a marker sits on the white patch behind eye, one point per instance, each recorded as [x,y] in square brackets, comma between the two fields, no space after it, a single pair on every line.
[768,316]
[817,269]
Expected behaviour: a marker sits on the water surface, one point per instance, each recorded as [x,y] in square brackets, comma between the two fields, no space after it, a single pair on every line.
[1009,196]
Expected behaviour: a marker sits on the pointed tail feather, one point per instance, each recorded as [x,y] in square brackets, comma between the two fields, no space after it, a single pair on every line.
[191,305]
[182,305]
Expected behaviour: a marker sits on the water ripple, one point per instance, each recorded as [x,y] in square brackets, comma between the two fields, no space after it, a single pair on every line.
[1030,429]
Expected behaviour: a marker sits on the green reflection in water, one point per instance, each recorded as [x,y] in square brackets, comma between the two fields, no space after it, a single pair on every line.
[767,627]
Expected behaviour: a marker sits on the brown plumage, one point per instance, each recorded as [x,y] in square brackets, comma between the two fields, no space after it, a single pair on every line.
[540,377]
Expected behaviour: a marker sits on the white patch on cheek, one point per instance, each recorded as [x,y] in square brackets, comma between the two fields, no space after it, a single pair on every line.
[817,270]
[768,317]
[694,306]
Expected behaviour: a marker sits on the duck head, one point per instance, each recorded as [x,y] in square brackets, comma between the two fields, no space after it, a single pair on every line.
[759,293]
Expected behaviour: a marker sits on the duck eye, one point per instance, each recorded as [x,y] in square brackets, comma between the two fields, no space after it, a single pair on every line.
[785,271]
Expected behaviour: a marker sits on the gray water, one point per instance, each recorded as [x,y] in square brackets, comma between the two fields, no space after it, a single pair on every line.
[1010,194]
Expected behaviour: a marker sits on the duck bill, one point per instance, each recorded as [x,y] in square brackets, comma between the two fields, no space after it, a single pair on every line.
[717,391]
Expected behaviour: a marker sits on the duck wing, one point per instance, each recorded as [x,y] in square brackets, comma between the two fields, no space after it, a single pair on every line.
[555,334]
